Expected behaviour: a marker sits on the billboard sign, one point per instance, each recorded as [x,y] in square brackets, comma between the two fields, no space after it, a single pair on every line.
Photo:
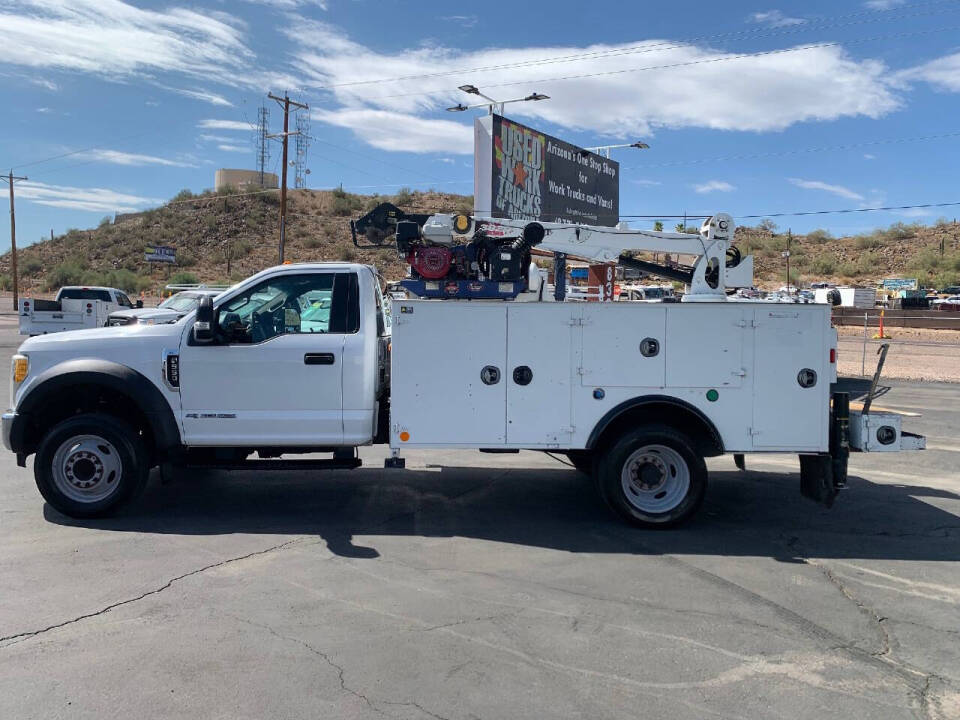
[900,284]
[160,254]
[524,174]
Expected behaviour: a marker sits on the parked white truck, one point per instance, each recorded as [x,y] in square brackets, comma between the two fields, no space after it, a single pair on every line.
[73,308]
[299,359]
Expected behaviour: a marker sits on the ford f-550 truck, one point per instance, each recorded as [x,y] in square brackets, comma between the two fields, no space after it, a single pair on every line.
[302,359]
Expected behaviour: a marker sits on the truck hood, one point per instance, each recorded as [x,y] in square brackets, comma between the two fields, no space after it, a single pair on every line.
[156,313]
[104,342]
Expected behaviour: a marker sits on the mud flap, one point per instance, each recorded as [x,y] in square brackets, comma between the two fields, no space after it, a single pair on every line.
[816,478]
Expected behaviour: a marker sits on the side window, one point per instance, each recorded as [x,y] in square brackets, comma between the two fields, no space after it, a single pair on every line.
[123,300]
[290,304]
[383,316]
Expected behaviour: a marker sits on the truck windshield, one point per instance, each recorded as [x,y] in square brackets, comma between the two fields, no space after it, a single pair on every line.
[181,302]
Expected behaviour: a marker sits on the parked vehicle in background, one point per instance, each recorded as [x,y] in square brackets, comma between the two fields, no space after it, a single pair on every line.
[949,290]
[170,310]
[953,300]
[647,293]
[74,308]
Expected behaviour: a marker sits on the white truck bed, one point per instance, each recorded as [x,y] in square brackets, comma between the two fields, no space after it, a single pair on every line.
[585,359]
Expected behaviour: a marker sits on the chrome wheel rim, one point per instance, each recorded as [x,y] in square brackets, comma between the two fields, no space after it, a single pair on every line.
[655,479]
[87,468]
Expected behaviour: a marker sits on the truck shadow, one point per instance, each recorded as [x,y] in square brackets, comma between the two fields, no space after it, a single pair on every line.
[745,514]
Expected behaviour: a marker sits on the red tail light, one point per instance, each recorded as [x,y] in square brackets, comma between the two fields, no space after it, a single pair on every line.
[833,355]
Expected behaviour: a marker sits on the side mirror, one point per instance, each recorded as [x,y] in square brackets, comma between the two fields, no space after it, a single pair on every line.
[203,323]
[139,304]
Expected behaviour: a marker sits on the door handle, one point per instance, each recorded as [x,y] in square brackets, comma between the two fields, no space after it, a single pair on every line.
[319,359]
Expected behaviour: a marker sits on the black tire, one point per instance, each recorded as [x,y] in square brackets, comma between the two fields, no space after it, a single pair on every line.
[582,460]
[114,470]
[656,476]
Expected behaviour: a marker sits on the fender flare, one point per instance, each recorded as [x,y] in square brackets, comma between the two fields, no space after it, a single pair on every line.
[110,375]
[639,402]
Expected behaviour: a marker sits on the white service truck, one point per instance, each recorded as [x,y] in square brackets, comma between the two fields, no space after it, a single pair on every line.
[73,308]
[302,359]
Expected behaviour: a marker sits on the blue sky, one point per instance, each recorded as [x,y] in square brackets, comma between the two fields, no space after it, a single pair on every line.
[749,107]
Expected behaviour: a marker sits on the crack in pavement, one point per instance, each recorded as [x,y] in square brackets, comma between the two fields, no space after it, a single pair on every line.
[156,591]
[372,704]
[885,654]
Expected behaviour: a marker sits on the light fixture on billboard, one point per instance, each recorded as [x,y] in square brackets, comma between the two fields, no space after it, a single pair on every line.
[605,149]
[491,104]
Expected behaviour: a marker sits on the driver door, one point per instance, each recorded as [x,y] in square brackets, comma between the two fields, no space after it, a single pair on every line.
[274,375]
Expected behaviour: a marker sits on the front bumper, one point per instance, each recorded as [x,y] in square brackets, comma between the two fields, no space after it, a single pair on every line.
[8,420]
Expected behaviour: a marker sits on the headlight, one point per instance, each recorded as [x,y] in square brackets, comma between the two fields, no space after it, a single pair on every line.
[148,321]
[20,366]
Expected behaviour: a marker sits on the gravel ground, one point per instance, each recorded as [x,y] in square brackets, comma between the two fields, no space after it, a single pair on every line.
[931,355]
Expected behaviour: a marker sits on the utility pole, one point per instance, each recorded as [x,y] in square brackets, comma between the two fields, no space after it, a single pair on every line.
[787,256]
[11,179]
[285,102]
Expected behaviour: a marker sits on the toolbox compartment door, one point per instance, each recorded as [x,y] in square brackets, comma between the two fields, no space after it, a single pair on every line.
[438,391]
[539,375]
[786,415]
[611,339]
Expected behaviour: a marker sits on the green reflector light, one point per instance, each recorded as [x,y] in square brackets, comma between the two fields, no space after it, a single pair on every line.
[712,395]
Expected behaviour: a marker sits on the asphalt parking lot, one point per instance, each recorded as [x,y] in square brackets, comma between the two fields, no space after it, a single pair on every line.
[491,586]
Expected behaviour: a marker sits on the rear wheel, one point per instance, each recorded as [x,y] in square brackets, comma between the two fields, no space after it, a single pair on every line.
[89,465]
[652,476]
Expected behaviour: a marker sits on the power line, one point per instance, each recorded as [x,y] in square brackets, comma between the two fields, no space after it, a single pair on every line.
[704,61]
[798,151]
[824,24]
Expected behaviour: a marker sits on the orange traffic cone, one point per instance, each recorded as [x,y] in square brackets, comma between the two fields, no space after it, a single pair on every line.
[881,334]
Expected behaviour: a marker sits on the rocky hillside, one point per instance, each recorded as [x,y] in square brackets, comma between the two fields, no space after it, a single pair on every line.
[222,239]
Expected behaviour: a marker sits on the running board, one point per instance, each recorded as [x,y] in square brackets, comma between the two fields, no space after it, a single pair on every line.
[280,464]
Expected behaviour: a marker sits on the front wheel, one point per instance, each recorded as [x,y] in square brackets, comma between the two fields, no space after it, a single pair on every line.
[89,465]
[652,476]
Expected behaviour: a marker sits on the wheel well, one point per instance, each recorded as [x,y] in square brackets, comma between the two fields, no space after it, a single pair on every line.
[88,398]
[668,411]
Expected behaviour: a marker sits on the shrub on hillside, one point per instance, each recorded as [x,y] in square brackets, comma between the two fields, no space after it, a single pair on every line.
[403,197]
[819,236]
[186,260]
[313,242]
[6,283]
[867,242]
[184,194]
[183,278]
[30,267]
[823,266]
[66,273]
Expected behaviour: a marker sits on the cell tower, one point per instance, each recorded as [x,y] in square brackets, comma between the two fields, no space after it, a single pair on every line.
[263,147]
[300,157]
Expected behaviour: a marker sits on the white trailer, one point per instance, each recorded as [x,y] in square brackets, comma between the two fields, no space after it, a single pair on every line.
[857,297]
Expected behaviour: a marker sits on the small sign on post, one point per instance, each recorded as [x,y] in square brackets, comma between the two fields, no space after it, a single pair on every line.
[160,254]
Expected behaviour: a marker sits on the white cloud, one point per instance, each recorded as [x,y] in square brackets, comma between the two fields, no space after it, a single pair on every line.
[467,21]
[233,148]
[837,190]
[943,73]
[202,95]
[117,40]
[44,110]
[116,157]
[718,91]
[713,186]
[225,125]
[44,83]
[775,18]
[90,199]
[883,4]
[217,138]
[868,156]
[648,183]
[289,4]
[401,132]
